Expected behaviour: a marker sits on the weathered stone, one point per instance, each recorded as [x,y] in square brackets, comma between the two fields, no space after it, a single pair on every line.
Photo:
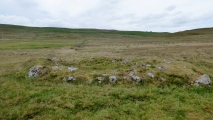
[148,65]
[104,75]
[112,78]
[64,79]
[143,64]
[71,69]
[35,71]
[130,74]
[136,78]
[163,79]
[161,68]
[203,80]
[71,78]
[113,61]
[100,78]
[54,67]
[90,81]
[151,75]
[125,61]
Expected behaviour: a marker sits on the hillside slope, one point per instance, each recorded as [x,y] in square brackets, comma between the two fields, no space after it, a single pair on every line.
[20,32]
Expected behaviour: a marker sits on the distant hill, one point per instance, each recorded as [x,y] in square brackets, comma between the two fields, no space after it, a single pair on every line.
[20,32]
[200,31]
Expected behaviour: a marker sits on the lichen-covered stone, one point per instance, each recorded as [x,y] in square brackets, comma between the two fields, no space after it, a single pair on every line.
[35,71]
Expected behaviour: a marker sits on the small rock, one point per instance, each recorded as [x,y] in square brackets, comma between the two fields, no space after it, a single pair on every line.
[100,78]
[163,79]
[112,78]
[151,75]
[64,79]
[130,74]
[71,69]
[148,65]
[90,81]
[136,78]
[113,61]
[185,67]
[161,68]
[143,64]
[54,67]
[125,61]
[54,59]
[61,67]
[104,75]
[71,78]
[204,80]
[35,71]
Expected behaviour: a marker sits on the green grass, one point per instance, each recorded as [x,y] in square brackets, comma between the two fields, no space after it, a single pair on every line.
[32,99]
[96,52]
[36,44]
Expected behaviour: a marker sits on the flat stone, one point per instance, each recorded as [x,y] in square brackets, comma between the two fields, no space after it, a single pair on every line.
[71,69]
[55,67]
[204,80]
[100,78]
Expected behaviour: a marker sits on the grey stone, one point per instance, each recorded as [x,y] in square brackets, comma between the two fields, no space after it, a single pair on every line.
[112,78]
[64,79]
[204,80]
[71,69]
[71,78]
[143,64]
[90,81]
[125,61]
[35,71]
[148,65]
[55,67]
[100,78]
[136,78]
[113,61]
[161,68]
[54,59]
[104,75]
[130,74]
[151,75]
[163,79]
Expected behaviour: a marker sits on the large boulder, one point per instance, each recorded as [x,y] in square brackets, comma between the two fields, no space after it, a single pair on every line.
[203,80]
[35,71]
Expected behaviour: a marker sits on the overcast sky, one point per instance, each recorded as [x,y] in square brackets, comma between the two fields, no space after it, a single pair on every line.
[140,15]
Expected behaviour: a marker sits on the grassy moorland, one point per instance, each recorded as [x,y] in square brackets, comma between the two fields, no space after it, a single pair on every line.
[185,56]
